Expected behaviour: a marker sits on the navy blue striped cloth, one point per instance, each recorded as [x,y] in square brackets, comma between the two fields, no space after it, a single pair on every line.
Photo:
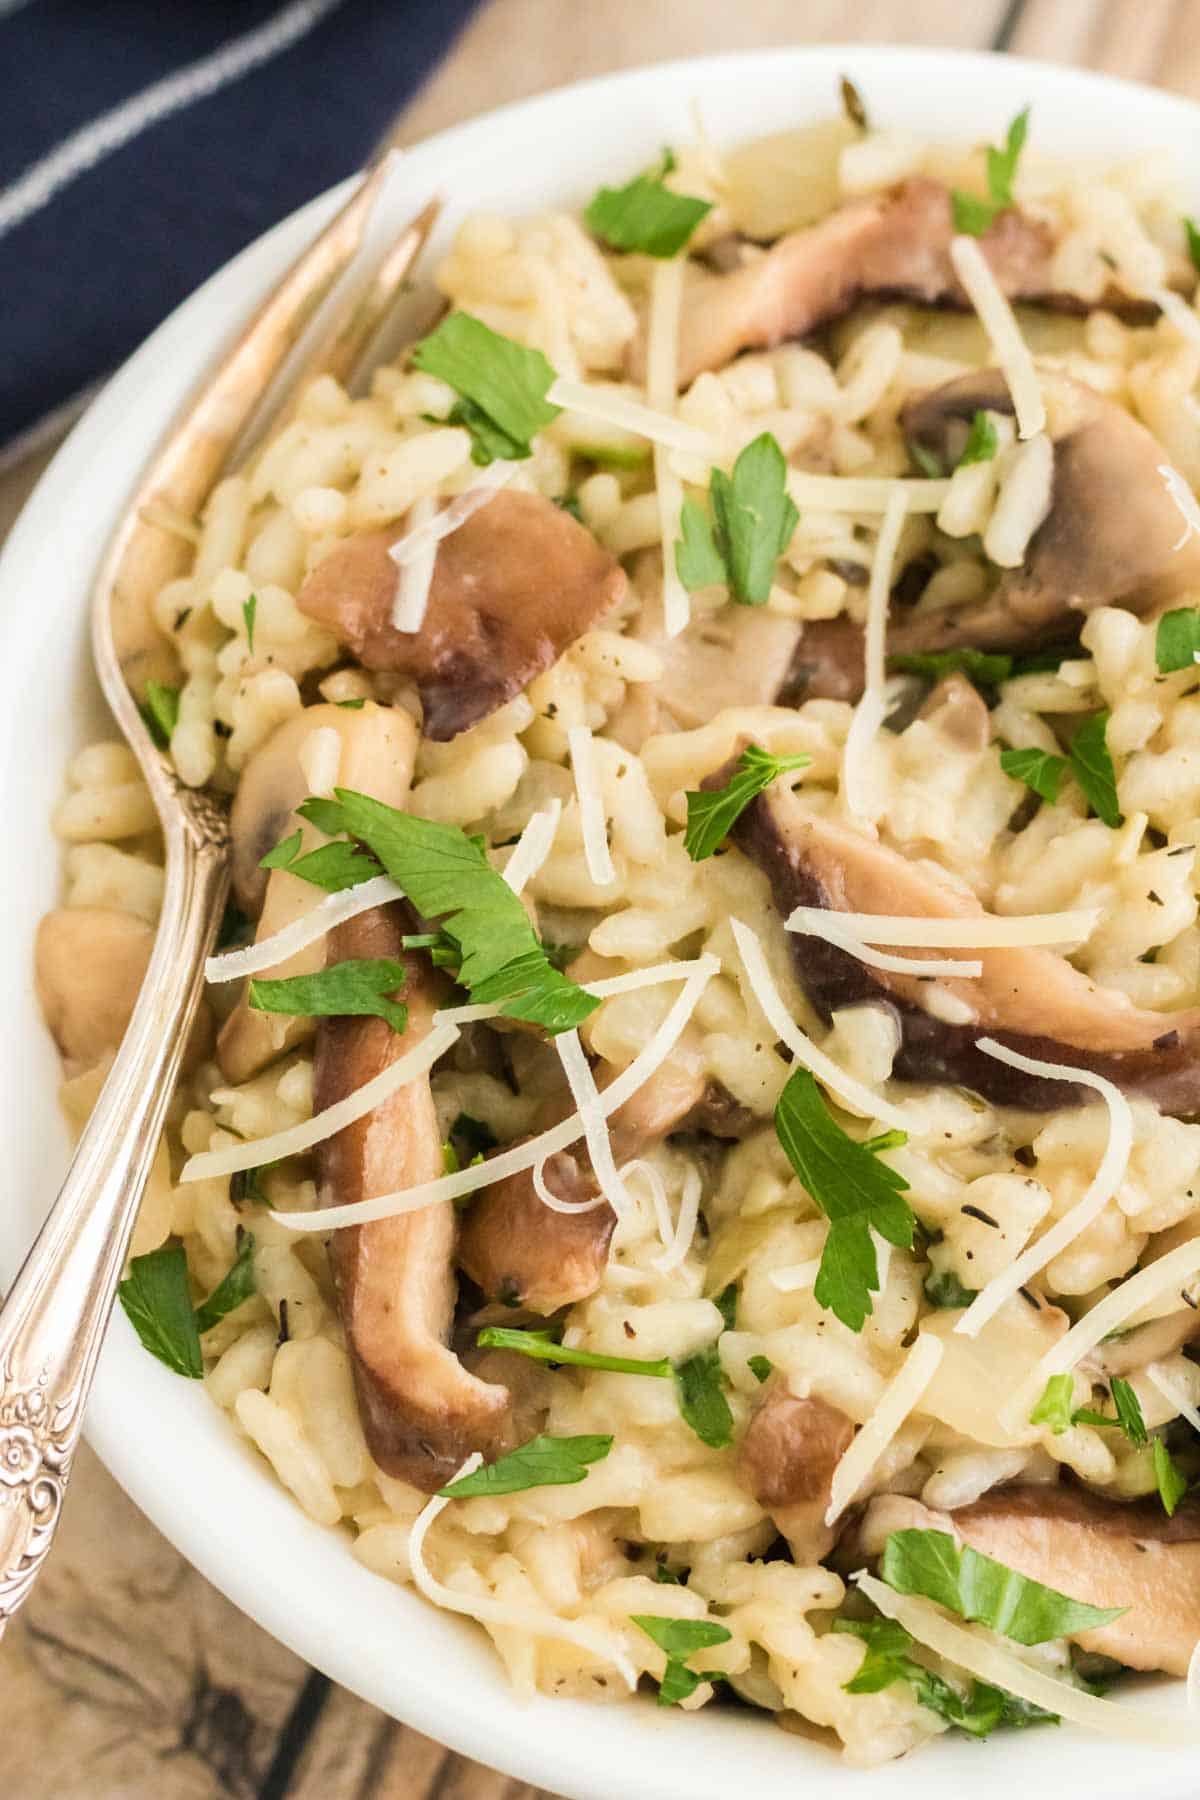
[143,142]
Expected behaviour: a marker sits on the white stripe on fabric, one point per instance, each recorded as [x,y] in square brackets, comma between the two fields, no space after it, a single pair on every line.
[8,7]
[87,146]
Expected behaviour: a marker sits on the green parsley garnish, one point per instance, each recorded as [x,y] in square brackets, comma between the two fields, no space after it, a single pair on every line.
[249,614]
[986,668]
[944,1289]
[712,813]
[645,215]
[760,1367]
[351,705]
[543,1347]
[983,1591]
[157,1301]
[982,440]
[678,1639]
[160,712]
[331,866]
[1177,640]
[543,1462]
[233,1289]
[569,503]
[1054,1407]
[502,386]
[1172,1483]
[700,1388]
[1192,233]
[1128,1414]
[753,519]
[974,216]
[929,465]
[1040,770]
[855,1190]
[1092,767]
[358,987]
[887,1660]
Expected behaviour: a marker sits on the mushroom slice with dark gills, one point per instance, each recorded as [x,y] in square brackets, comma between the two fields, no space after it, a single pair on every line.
[422,1411]
[524,1253]
[895,244]
[1114,533]
[786,1459]
[1106,1552]
[1031,1000]
[513,587]
[377,745]
[738,656]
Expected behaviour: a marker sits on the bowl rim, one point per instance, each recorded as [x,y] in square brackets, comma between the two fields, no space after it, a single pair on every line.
[567,1746]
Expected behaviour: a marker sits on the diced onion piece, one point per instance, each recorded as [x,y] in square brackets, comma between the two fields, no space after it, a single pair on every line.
[996,316]
[870,711]
[852,1094]
[864,493]
[550,1199]
[1103,1185]
[685,1225]
[416,571]
[1171,1271]
[210,1164]
[825,925]
[902,1393]
[584,1093]
[1164,1381]
[1189,509]
[521,1156]
[591,806]
[532,847]
[977,931]
[333,910]
[615,408]
[320,757]
[990,1662]
[530,1621]
[1176,311]
[434,524]
[662,357]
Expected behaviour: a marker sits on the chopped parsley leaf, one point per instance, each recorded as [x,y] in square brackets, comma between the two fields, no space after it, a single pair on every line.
[712,813]
[753,519]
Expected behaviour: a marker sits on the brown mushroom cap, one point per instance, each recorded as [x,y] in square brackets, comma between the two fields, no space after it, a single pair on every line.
[1113,533]
[895,244]
[786,1459]
[512,589]
[378,747]
[1102,1551]
[739,656]
[423,1412]
[1032,1000]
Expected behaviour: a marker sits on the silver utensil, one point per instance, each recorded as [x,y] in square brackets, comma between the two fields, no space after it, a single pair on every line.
[53,1320]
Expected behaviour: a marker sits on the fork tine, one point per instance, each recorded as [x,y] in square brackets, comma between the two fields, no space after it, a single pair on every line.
[143,556]
[344,338]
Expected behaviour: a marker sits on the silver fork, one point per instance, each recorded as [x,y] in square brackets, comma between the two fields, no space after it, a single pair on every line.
[53,1320]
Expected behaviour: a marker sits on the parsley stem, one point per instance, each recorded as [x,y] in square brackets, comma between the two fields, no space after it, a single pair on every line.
[542,1347]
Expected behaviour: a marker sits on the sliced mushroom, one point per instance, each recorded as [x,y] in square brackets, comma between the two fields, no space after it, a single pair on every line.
[1133,1349]
[786,1459]
[739,656]
[1114,533]
[523,1253]
[1102,1551]
[894,244]
[422,1411]
[827,663]
[957,710]
[89,966]
[512,589]
[1032,1000]
[378,745]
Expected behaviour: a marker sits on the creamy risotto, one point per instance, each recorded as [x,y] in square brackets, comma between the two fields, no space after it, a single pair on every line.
[688,1155]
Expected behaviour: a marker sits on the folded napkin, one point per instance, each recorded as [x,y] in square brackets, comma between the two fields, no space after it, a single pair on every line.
[144,142]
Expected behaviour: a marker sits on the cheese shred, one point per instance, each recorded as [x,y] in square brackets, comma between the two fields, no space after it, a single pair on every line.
[581,748]
[871,709]
[898,1399]
[662,357]
[999,322]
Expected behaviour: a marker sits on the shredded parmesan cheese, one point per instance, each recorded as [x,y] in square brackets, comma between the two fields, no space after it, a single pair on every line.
[1189,511]
[551,1200]
[824,925]
[521,1156]
[591,806]
[988,1661]
[333,910]
[591,1112]
[899,1397]
[996,316]
[656,1188]
[297,1138]
[616,408]
[532,847]
[685,1226]
[852,1094]
[1101,1188]
[434,525]
[416,571]
[864,493]
[530,1621]
[662,356]
[977,931]
[1164,1381]
[869,713]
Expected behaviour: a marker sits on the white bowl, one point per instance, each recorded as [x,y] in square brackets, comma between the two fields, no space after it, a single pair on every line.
[166,1443]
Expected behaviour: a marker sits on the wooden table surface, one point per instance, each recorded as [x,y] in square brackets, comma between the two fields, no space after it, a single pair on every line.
[128,1677]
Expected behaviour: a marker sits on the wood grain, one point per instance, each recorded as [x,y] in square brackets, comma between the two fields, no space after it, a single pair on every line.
[129,1677]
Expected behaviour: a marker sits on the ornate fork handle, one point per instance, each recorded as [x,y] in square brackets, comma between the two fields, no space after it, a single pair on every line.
[52,1323]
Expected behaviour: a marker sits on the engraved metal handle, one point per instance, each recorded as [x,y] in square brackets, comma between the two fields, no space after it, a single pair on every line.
[52,1323]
